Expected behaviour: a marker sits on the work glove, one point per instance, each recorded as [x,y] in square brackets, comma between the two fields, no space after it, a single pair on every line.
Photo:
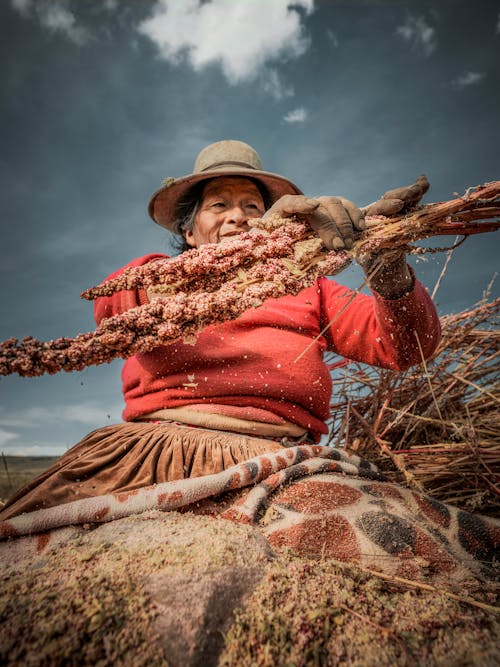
[392,278]
[334,219]
[398,200]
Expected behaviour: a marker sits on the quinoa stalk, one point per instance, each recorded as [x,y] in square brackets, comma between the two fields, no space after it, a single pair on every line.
[218,282]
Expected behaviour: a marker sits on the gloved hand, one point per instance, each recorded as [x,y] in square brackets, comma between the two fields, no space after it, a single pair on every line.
[334,219]
[388,273]
[388,270]
[399,200]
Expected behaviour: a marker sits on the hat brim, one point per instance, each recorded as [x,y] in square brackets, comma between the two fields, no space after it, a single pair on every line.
[164,202]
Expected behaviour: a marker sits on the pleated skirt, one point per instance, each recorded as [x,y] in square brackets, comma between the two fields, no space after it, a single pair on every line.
[131,455]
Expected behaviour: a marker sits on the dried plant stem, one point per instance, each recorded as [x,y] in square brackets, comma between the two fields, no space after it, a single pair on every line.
[449,255]
[385,631]
[427,376]
[476,386]
[160,322]
[396,459]
[434,589]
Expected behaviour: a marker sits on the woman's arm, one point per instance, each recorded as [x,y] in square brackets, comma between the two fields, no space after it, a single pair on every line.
[390,333]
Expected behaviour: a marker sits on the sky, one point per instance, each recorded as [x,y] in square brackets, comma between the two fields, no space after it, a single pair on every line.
[103,99]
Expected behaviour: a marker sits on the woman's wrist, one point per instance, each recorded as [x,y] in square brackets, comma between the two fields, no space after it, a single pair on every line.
[389,276]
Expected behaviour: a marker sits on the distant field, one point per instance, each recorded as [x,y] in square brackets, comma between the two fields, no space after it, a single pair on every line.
[17,470]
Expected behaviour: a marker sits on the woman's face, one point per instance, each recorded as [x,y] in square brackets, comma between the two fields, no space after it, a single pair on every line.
[226,204]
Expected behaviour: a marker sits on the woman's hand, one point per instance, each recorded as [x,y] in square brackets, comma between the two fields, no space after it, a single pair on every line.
[388,272]
[399,200]
[334,219]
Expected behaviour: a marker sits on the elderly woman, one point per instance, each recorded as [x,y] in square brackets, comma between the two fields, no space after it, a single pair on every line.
[245,387]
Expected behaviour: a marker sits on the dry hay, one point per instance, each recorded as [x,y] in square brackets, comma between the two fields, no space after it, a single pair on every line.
[435,427]
[218,282]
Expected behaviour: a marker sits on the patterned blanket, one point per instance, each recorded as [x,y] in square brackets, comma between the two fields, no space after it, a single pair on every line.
[316,500]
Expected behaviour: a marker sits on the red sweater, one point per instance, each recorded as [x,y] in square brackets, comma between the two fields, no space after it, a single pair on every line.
[250,363]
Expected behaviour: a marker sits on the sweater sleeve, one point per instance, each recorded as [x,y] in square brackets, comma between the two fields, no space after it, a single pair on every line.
[119,302]
[389,333]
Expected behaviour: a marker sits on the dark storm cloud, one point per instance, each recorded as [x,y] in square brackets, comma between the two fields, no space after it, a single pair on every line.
[90,126]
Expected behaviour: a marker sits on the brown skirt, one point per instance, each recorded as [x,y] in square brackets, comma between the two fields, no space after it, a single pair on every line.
[128,456]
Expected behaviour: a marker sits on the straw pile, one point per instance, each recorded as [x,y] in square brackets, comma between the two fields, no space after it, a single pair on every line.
[218,282]
[435,427]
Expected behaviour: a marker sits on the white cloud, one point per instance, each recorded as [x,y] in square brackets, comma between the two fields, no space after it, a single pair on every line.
[468,79]
[59,19]
[420,34]
[296,116]
[55,16]
[6,436]
[22,6]
[110,5]
[240,36]
[275,86]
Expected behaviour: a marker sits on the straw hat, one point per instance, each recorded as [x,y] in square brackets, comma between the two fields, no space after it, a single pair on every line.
[224,158]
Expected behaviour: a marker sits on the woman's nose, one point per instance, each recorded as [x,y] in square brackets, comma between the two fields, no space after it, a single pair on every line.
[236,216]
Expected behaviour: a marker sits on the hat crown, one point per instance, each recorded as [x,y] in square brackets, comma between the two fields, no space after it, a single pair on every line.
[226,153]
[223,158]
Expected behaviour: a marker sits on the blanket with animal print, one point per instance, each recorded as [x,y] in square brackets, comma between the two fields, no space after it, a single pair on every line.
[316,500]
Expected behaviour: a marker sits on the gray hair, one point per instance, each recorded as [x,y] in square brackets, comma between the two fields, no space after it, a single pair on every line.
[185,218]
